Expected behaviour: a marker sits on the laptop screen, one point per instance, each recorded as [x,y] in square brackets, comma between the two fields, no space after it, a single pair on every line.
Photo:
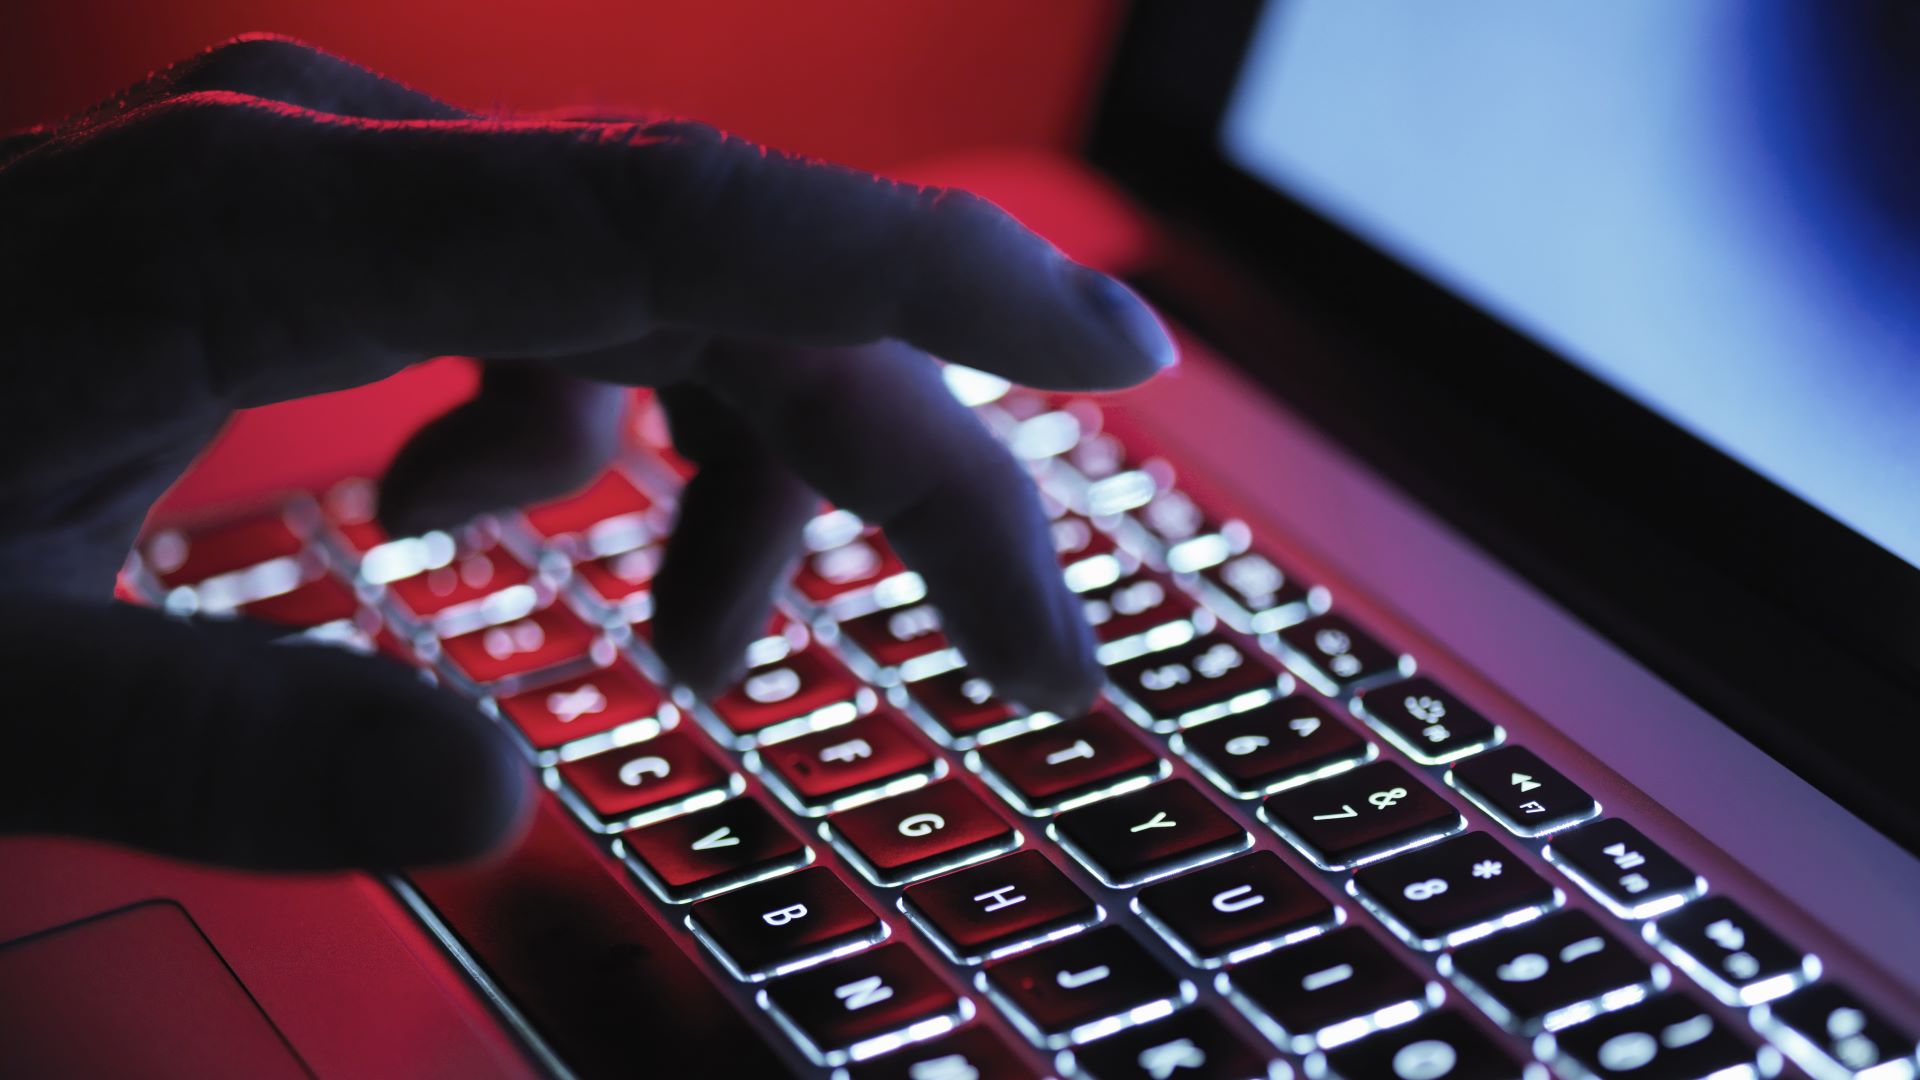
[1622,182]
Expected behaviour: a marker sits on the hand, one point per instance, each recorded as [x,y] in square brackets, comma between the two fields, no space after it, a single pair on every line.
[266,221]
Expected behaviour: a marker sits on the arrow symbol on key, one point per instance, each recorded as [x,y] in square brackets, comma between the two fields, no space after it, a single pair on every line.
[718,838]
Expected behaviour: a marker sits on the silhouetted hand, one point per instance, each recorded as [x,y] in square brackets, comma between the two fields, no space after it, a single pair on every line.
[266,221]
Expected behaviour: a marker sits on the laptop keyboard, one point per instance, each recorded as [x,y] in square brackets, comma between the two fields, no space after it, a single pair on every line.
[1274,848]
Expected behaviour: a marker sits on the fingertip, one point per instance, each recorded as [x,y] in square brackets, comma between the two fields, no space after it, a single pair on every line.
[1149,348]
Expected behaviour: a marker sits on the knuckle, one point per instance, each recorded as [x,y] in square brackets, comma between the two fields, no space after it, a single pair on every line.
[248,63]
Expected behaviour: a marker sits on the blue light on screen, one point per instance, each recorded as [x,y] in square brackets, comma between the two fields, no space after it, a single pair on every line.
[1648,187]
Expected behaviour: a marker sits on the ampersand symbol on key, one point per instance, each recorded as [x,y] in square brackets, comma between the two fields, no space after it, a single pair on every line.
[1384,799]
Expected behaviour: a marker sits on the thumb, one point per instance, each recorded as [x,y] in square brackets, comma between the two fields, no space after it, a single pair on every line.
[210,743]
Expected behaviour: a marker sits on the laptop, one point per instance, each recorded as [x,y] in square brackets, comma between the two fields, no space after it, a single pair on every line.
[1509,608]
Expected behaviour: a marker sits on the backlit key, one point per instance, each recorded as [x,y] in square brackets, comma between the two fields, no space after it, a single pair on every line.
[1328,990]
[855,566]
[1069,763]
[1735,956]
[668,774]
[975,1052]
[1135,604]
[188,556]
[998,907]
[469,578]
[800,688]
[710,851]
[348,511]
[1670,1035]
[1831,1032]
[1235,909]
[621,583]
[1338,657]
[936,828]
[1554,971]
[546,639]
[1441,1044]
[785,923]
[1252,594]
[1075,539]
[610,514]
[1361,815]
[892,636]
[877,754]
[320,601]
[1617,865]
[1425,721]
[585,706]
[1454,891]
[1192,1043]
[1211,676]
[867,1002]
[1521,792]
[1085,987]
[960,703]
[1149,834]
[1277,745]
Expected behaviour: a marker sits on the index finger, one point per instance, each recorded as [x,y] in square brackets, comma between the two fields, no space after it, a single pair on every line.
[406,239]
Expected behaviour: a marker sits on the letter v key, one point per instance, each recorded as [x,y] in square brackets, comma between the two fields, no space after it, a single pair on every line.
[718,838]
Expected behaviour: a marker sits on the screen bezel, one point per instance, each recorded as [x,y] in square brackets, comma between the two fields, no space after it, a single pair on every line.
[1796,631]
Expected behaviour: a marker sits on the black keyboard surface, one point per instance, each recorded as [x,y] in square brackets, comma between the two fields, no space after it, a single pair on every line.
[1276,848]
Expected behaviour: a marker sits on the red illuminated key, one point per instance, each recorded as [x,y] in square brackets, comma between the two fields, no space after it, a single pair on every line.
[829,768]
[853,1002]
[785,923]
[666,774]
[1069,763]
[348,508]
[1076,540]
[938,827]
[1149,834]
[1133,605]
[560,713]
[1071,990]
[997,907]
[796,686]
[1207,677]
[893,636]
[710,851]
[611,504]
[548,637]
[961,702]
[615,580]
[322,600]
[470,576]
[858,564]
[189,556]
